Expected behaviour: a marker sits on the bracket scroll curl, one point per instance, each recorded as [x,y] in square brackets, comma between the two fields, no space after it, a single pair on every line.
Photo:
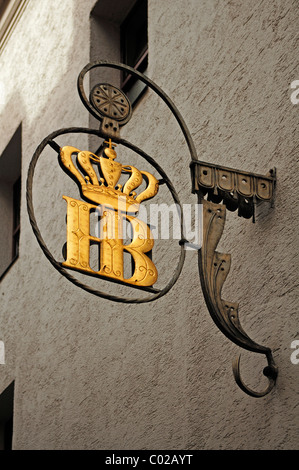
[214,268]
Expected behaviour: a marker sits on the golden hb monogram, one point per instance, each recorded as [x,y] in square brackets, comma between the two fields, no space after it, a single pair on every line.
[115,204]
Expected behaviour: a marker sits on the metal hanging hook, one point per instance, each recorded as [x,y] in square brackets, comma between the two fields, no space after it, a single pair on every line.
[270,371]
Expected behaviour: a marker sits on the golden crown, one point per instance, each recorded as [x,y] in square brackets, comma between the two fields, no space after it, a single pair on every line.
[105,189]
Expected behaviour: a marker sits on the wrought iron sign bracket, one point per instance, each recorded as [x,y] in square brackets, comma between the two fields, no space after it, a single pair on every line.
[218,189]
[234,190]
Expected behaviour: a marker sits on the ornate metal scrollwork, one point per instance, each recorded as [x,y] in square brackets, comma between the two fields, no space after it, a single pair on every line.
[238,189]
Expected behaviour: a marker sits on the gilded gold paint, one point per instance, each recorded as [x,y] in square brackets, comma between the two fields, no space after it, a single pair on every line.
[116,205]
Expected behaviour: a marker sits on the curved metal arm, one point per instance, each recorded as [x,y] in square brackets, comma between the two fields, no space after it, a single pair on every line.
[214,268]
[143,78]
[270,372]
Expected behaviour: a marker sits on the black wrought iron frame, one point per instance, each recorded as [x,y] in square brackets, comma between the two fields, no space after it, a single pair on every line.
[213,266]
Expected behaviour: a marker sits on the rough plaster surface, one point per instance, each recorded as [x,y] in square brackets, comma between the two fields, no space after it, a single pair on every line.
[93,374]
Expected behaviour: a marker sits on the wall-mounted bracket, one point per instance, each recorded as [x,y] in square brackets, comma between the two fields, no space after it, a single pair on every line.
[240,191]
[236,189]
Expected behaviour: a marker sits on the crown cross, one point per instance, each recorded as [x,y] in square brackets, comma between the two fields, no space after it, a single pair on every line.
[109,151]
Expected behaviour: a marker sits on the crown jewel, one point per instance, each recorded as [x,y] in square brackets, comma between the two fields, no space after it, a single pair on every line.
[104,189]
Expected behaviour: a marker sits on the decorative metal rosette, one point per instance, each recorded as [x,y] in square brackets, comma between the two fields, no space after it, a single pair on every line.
[111,102]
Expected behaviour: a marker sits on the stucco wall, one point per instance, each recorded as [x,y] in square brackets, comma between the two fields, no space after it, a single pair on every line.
[90,373]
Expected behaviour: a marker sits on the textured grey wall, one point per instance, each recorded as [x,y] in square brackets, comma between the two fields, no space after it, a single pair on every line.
[92,374]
